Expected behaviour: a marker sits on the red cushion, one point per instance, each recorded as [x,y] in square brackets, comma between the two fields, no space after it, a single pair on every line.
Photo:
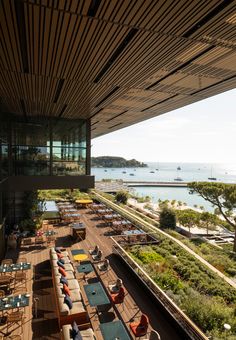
[62,271]
[60,256]
[66,289]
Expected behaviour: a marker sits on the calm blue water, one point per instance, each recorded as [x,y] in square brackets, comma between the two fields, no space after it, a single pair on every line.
[167,172]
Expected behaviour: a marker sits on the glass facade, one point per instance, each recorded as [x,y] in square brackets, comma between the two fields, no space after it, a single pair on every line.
[43,147]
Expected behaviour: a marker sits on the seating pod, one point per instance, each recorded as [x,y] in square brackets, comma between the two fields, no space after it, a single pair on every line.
[86,334]
[67,314]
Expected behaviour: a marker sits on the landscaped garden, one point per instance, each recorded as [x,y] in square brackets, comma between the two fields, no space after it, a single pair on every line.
[200,293]
[221,259]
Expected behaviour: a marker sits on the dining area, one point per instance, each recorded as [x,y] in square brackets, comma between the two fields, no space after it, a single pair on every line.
[14,296]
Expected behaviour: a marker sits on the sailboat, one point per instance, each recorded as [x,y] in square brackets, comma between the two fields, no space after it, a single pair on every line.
[212,178]
[178,178]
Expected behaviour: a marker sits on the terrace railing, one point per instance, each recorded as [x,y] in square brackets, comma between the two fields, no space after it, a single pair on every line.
[176,313]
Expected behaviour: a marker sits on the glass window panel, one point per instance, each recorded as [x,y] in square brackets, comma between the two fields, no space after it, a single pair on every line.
[68,168]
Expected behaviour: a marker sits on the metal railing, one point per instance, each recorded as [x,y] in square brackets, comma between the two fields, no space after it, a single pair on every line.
[179,316]
[176,313]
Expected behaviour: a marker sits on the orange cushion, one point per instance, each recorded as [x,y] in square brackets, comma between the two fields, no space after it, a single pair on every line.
[66,289]
[60,256]
[62,271]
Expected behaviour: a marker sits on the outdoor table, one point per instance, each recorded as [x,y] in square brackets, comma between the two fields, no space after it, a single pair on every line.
[78,231]
[114,330]
[79,225]
[15,267]
[83,203]
[97,296]
[123,222]
[101,211]
[133,232]
[50,233]
[77,251]
[86,268]
[79,254]
[72,215]
[14,301]
[80,257]
[110,217]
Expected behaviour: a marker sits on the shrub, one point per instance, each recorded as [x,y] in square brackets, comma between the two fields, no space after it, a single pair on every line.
[122,196]
[167,218]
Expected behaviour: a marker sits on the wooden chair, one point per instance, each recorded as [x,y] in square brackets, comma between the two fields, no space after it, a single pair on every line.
[2,293]
[50,240]
[154,335]
[21,277]
[139,328]
[6,280]
[39,240]
[21,259]
[14,337]
[7,262]
[27,242]
[15,318]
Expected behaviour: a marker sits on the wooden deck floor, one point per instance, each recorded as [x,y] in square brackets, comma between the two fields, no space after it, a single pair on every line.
[39,284]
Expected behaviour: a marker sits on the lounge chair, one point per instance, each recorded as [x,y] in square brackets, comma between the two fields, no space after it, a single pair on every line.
[115,286]
[139,328]
[154,335]
[87,334]
[104,266]
[119,297]
[98,256]
[94,251]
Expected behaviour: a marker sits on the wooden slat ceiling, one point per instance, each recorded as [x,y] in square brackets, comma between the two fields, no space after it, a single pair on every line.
[115,62]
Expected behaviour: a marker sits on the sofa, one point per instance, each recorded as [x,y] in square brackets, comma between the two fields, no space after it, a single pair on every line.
[67,313]
[86,334]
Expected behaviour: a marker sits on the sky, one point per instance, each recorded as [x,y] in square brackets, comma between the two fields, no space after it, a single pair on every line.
[201,132]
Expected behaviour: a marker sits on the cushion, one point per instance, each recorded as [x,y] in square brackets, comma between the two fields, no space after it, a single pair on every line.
[58,250]
[62,261]
[62,271]
[63,280]
[74,330]
[60,256]
[78,337]
[60,264]
[66,289]
[68,302]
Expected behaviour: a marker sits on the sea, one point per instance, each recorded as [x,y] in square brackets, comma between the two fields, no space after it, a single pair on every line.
[168,171]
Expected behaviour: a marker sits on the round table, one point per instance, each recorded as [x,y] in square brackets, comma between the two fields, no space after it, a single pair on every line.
[80,257]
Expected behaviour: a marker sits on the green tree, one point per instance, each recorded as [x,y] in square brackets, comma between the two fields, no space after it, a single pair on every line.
[167,218]
[188,218]
[208,220]
[220,195]
[122,196]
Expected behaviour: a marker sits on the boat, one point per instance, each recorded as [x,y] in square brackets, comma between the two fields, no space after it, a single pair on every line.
[212,178]
[152,172]
[178,168]
[179,179]
[123,172]
[131,174]
[105,170]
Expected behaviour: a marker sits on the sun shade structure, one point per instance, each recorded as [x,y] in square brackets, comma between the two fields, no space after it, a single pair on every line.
[74,70]
[114,63]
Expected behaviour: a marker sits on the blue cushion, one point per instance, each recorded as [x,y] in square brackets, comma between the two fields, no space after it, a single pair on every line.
[78,337]
[63,280]
[62,261]
[74,330]
[57,250]
[60,264]
[68,301]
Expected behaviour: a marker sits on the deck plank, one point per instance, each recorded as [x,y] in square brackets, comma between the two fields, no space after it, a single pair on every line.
[39,284]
